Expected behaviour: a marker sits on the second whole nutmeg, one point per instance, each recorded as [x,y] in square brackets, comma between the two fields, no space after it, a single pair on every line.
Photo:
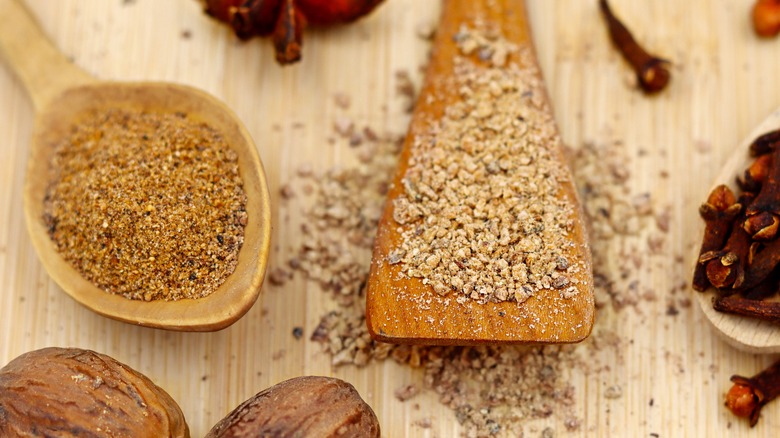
[308,406]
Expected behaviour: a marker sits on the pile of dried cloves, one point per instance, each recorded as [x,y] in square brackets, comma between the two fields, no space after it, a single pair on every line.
[740,251]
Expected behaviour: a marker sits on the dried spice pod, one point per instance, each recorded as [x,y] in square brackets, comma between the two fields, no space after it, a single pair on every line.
[284,20]
[755,175]
[652,72]
[749,394]
[765,143]
[74,392]
[301,407]
[763,214]
[726,267]
[719,213]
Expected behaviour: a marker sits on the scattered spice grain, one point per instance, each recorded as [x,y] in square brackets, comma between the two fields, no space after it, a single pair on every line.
[619,226]
[149,206]
[493,390]
[490,389]
[406,392]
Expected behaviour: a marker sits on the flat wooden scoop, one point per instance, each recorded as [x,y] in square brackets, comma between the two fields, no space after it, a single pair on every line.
[747,334]
[407,309]
[62,95]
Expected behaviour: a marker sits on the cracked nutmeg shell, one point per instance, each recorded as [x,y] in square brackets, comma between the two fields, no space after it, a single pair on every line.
[301,407]
[69,392]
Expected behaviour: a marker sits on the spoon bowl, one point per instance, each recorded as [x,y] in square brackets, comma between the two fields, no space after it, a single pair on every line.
[63,96]
[747,334]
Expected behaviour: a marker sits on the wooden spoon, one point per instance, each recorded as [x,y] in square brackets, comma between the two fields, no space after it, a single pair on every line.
[62,94]
[747,334]
[404,309]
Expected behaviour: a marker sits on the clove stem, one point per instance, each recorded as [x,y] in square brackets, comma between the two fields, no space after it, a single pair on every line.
[651,71]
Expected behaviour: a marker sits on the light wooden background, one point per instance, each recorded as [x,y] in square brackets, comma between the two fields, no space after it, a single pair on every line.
[725,82]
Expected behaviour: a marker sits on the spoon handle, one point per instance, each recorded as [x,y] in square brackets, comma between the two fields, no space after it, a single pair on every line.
[44,71]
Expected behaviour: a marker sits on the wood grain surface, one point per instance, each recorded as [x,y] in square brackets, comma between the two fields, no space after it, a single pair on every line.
[673,370]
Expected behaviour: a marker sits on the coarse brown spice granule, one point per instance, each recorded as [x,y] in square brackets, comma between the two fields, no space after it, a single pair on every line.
[482,215]
[149,206]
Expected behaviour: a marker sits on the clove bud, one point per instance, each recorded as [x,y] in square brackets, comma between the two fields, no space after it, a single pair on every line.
[749,394]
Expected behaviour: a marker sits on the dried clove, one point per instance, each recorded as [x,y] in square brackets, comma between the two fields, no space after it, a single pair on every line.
[749,394]
[756,174]
[719,213]
[725,268]
[764,258]
[758,309]
[287,36]
[764,289]
[765,143]
[762,216]
[652,72]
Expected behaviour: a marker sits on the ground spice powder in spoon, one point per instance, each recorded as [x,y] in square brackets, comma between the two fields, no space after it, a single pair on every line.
[147,205]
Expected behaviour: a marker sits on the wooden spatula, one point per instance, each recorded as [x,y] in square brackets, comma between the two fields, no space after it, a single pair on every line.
[426,304]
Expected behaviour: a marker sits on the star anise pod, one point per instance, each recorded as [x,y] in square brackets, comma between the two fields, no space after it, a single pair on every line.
[284,20]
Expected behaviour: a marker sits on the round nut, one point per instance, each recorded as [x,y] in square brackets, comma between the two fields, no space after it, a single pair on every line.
[301,407]
[69,392]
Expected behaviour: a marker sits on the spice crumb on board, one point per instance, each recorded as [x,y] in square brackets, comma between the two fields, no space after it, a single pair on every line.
[424,423]
[149,206]
[624,233]
[406,392]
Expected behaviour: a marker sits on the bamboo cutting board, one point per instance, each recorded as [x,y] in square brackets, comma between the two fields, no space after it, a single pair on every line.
[672,369]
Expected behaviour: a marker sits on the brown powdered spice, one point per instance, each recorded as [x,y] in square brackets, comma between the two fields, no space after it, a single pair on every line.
[482,212]
[147,205]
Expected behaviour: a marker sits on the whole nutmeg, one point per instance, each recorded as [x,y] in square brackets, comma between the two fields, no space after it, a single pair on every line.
[301,407]
[69,392]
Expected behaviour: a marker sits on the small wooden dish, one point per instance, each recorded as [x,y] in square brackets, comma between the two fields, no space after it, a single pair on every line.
[747,334]
[63,94]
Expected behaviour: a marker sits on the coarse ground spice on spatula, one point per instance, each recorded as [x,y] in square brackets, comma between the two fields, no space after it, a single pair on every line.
[147,205]
[482,214]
